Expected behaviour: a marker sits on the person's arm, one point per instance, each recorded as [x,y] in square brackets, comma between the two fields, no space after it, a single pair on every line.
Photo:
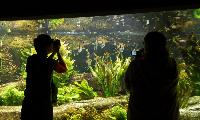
[60,66]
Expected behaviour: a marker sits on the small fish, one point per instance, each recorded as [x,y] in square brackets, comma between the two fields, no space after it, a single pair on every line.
[121,47]
[95,47]
[80,49]
[8,30]
[182,41]
[40,26]
[115,43]
[102,45]
[147,22]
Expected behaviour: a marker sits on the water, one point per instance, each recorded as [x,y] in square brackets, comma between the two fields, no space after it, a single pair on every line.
[95,43]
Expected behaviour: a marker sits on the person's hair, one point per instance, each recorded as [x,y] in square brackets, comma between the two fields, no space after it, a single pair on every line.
[155,44]
[41,42]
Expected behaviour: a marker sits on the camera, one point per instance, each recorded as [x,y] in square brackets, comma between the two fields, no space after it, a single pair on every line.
[56,42]
[138,53]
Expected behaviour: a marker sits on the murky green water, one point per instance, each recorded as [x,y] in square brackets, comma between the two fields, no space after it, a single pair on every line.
[107,41]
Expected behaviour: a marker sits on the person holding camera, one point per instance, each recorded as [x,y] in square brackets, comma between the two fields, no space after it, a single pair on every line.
[40,91]
[151,80]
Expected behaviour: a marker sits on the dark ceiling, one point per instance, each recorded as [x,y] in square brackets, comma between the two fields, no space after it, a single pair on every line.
[73,8]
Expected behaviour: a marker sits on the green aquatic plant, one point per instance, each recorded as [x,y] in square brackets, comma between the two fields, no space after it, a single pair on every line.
[86,91]
[115,113]
[20,48]
[13,93]
[7,73]
[10,95]
[68,94]
[53,23]
[75,91]
[184,87]
[196,13]
[195,77]
[188,66]
[109,73]
[82,113]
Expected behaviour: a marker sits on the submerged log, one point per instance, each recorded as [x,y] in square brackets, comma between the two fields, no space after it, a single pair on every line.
[192,112]
[13,112]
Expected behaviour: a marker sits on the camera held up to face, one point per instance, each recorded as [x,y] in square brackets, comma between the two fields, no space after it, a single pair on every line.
[56,45]
[138,53]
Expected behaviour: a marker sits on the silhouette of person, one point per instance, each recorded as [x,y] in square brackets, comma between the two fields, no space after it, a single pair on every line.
[151,80]
[37,103]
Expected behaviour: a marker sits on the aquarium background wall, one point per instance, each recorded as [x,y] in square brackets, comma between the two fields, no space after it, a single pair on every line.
[97,51]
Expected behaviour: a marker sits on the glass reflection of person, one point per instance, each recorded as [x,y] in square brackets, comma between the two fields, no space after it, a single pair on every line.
[37,103]
[151,80]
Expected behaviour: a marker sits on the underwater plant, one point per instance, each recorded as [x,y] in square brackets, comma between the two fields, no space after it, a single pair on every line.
[75,91]
[10,95]
[184,87]
[189,62]
[53,23]
[109,73]
[68,94]
[86,91]
[118,113]
[196,13]
[195,77]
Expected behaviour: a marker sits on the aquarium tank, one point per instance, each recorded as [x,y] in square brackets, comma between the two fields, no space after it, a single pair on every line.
[97,51]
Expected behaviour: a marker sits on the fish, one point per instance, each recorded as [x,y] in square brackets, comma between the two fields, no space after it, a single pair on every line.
[80,49]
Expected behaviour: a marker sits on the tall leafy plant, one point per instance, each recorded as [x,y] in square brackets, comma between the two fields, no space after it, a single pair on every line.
[195,77]
[86,92]
[184,87]
[76,91]
[68,94]
[11,95]
[190,52]
[109,73]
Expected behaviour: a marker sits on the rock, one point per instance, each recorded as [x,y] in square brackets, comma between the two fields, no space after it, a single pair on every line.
[192,112]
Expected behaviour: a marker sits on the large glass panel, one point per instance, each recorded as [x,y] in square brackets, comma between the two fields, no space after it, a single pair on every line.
[97,51]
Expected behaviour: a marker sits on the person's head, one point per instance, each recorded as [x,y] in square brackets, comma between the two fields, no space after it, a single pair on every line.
[43,44]
[155,43]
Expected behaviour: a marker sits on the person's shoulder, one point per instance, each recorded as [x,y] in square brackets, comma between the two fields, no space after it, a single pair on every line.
[32,57]
[137,61]
[172,60]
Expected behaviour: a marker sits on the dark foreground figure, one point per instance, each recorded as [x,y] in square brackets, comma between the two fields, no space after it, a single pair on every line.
[37,104]
[151,79]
